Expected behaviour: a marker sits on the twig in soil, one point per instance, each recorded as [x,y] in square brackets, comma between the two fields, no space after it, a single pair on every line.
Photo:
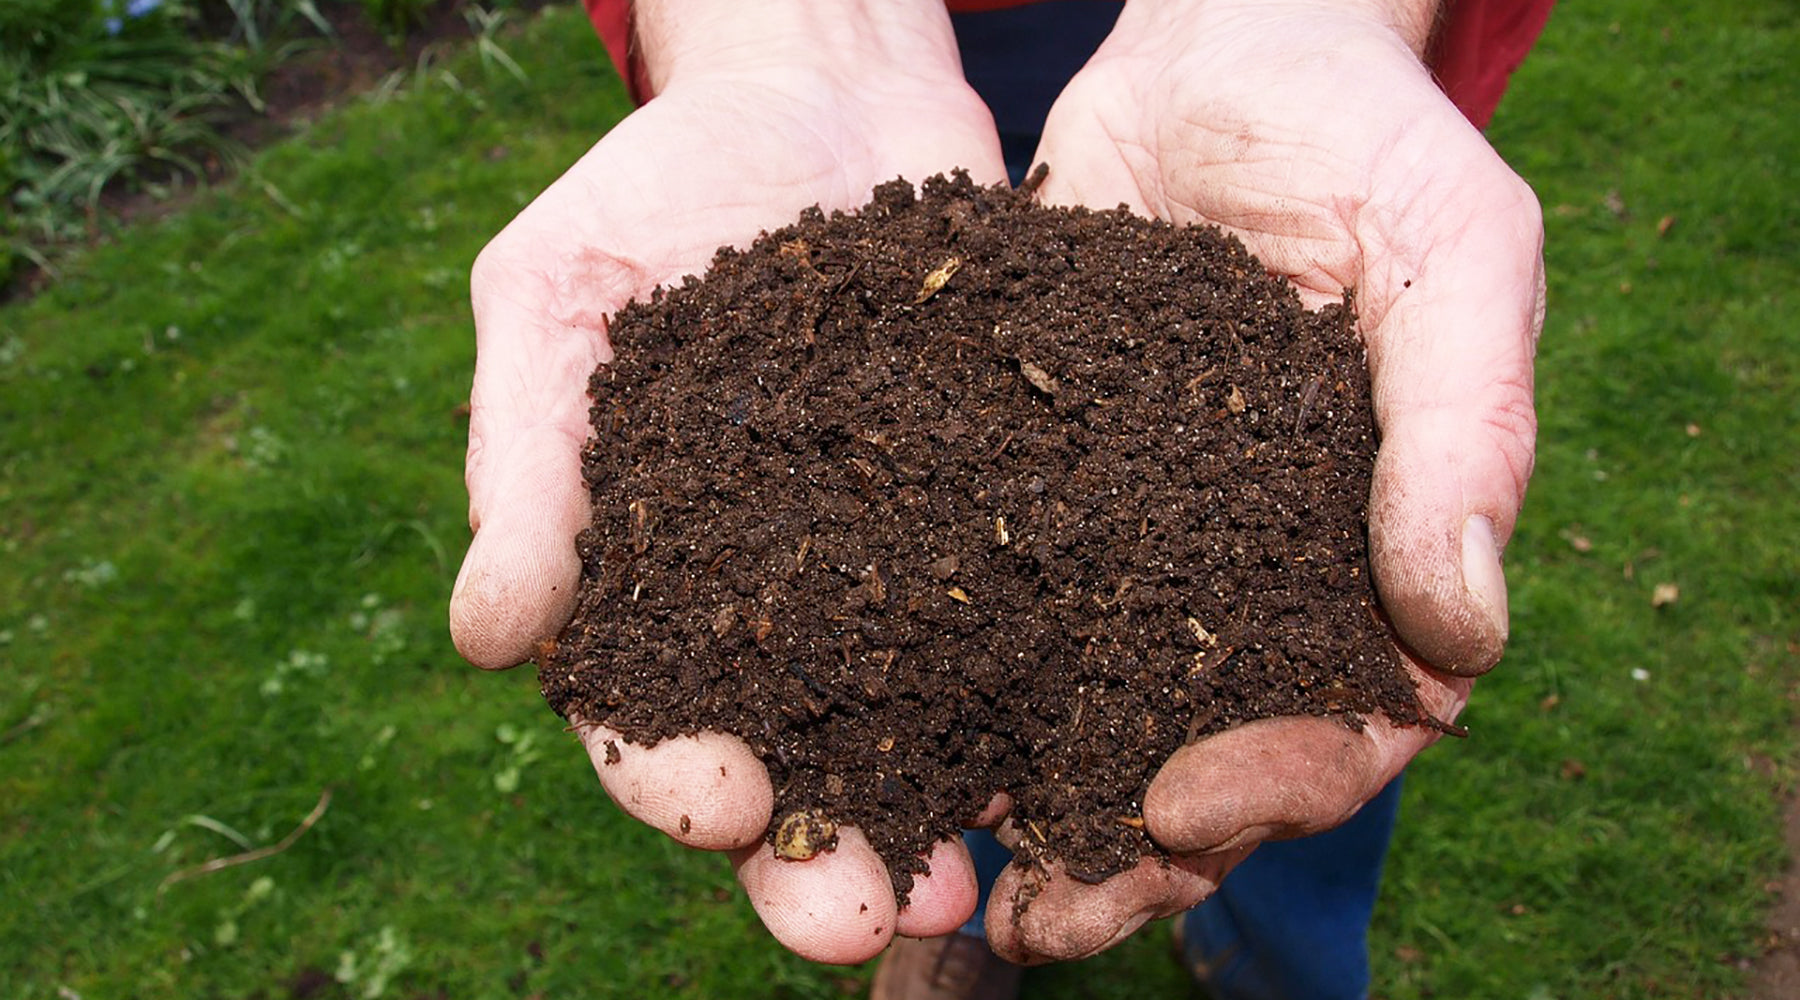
[811,685]
[1306,401]
[220,864]
[1447,728]
[1035,179]
[825,304]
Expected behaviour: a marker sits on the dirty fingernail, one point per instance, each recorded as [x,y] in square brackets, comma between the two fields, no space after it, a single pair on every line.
[1483,578]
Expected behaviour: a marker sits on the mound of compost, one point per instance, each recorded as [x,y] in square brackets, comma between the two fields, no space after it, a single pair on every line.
[961,494]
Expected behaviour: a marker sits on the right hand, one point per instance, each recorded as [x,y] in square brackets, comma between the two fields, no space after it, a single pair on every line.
[735,142]
[1312,131]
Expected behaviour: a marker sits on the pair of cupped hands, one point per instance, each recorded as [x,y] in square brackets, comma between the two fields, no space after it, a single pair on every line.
[1309,128]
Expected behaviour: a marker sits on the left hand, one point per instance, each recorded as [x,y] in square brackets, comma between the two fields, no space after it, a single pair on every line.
[1312,131]
[762,109]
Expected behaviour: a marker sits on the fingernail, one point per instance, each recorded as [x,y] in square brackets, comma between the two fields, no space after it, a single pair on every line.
[1130,927]
[1483,578]
[1250,835]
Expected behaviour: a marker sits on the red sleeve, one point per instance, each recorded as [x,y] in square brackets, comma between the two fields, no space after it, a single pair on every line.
[612,19]
[1475,52]
[1479,45]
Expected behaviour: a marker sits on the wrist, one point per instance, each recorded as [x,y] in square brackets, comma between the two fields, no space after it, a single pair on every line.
[686,40]
[1412,21]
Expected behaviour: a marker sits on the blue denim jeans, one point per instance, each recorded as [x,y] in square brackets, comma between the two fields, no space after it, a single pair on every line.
[1290,923]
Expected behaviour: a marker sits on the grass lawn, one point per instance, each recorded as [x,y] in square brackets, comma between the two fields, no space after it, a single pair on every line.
[231,510]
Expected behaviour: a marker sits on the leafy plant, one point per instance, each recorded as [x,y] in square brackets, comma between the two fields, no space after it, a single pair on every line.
[396,17]
[89,100]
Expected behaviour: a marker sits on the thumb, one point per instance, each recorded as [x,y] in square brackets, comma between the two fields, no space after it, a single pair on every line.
[519,579]
[1451,364]
[527,500]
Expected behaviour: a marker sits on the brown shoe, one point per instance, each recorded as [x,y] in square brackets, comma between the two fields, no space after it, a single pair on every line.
[952,967]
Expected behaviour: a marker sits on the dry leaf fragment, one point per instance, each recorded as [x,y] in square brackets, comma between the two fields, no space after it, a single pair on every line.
[1235,402]
[937,279]
[958,594]
[1664,224]
[723,619]
[1664,594]
[797,249]
[1038,377]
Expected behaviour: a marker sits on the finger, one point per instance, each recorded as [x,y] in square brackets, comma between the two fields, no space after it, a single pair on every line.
[707,791]
[518,581]
[1036,916]
[1451,361]
[943,899]
[1280,778]
[836,906]
[527,422]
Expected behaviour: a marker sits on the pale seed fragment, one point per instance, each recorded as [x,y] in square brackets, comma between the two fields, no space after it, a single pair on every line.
[804,834]
[938,278]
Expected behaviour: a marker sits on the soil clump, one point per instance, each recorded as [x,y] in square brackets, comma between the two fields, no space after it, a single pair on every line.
[961,494]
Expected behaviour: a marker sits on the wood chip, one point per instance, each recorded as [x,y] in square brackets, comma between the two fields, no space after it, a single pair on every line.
[1201,635]
[642,523]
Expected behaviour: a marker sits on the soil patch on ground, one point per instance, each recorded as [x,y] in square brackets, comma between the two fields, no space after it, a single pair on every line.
[960,494]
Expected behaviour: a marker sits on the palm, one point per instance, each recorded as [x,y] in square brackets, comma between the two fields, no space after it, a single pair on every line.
[1319,140]
[701,166]
[690,172]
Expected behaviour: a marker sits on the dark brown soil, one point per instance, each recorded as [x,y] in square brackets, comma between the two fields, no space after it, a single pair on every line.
[961,494]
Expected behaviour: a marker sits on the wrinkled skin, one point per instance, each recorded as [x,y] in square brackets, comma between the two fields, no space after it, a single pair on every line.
[1322,143]
[1317,138]
[703,165]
